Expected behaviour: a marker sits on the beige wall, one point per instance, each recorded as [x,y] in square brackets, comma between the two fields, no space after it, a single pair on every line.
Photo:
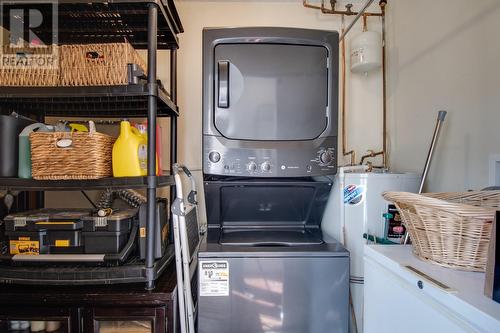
[444,54]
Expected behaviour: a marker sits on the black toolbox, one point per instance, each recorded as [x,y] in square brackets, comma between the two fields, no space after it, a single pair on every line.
[45,231]
[162,229]
[108,234]
[46,218]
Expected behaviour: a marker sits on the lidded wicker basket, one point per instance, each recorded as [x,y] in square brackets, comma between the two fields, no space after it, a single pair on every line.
[33,67]
[450,229]
[65,155]
[97,64]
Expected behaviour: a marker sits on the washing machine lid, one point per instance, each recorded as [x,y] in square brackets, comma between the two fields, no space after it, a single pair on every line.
[271,237]
[212,247]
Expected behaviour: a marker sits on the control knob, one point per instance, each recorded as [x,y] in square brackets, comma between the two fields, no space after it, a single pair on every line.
[252,166]
[214,156]
[265,166]
[326,157]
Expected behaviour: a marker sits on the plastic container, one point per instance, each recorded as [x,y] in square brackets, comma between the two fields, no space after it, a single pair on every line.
[52,326]
[106,242]
[24,160]
[16,325]
[366,52]
[45,231]
[10,127]
[44,242]
[161,228]
[46,219]
[119,221]
[37,326]
[130,152]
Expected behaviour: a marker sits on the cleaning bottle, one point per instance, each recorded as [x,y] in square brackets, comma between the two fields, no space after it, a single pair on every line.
[143,129]
[24,167]
[130,152]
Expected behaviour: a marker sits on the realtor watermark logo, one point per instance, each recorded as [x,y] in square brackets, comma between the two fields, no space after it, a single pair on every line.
[29,35]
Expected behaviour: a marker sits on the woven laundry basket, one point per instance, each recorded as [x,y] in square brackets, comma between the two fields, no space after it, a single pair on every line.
[449,229]
[29,67]
[97,64]
[65,155]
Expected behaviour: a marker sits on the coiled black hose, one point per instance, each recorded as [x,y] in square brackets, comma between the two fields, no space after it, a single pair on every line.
[130,197]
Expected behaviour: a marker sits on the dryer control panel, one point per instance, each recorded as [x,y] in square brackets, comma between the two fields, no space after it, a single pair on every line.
[226,157]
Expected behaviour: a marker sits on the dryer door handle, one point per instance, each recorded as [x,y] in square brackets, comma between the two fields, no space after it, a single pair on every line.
[223,84]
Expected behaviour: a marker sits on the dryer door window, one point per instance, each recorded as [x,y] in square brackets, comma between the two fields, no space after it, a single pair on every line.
[270,91]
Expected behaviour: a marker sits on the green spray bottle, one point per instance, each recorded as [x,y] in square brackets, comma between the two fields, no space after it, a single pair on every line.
[24,168]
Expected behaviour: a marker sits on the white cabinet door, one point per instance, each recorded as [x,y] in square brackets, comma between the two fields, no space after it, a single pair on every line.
[395,305]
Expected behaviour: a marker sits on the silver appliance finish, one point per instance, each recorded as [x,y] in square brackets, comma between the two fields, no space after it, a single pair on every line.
[270,102]
[295,289]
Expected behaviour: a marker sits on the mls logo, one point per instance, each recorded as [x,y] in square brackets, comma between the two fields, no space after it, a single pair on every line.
[29,34]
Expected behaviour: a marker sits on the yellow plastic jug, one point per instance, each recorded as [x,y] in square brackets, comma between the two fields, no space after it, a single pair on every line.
[143,130]
[130,152]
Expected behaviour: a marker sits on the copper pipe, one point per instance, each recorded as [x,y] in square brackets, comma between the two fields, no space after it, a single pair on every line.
[382,153]
[325,10]
[351,152]
[356,18]
[307,5]
[382,4]
[371,153]
[347,12]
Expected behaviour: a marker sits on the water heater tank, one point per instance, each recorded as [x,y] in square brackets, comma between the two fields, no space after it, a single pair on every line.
[363,212]
[366,52]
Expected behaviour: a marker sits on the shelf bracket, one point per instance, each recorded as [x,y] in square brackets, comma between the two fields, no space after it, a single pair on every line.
[135,74]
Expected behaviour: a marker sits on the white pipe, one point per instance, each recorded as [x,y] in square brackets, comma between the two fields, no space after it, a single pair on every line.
[342,171]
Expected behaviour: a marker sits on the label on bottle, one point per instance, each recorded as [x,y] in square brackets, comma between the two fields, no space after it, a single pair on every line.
[143,156]
[396,229]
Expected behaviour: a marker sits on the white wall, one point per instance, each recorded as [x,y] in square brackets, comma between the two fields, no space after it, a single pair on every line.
[444,54]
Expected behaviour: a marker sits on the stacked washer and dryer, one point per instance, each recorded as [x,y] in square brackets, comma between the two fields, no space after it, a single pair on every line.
[270,109]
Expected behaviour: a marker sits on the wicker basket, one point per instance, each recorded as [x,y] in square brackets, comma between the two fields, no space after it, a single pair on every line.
[97,64]
[29,68]
[77,155]
[449,229]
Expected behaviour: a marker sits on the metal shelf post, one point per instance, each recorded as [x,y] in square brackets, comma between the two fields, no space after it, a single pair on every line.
[152,104]
[173,120]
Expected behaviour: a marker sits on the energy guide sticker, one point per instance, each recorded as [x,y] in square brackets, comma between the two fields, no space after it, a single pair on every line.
[214,278]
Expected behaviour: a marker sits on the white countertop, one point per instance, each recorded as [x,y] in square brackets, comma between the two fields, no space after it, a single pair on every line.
[466,297]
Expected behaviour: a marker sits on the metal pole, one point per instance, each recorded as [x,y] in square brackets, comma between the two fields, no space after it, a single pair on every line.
[439,122]
[356,18]
[437,129]
[385,158]
[173,119]
[152,108]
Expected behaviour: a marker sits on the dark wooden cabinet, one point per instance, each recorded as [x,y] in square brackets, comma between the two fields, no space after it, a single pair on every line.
[126,308]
